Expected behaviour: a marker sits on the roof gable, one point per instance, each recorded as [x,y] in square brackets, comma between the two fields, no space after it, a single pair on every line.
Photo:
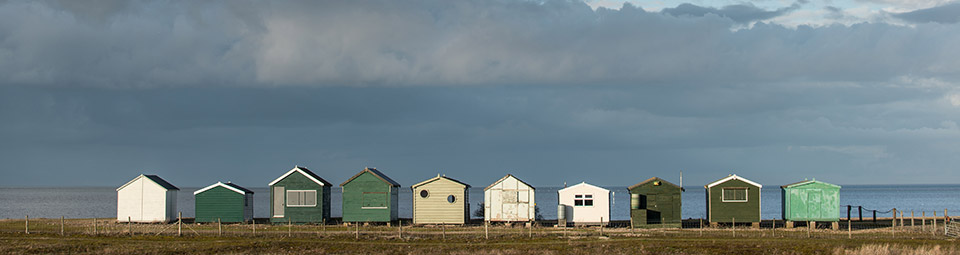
[153,178]
[376,173]
[584,184]
[438,178]
[230,186]
[808,182]
[305,172]
[653,179]
[733,177]
[509,176]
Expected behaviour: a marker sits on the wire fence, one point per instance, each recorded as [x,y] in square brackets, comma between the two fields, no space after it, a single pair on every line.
[884,227]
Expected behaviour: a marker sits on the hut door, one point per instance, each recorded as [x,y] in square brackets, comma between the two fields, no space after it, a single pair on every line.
[278,205]
[653,211]
[813,203]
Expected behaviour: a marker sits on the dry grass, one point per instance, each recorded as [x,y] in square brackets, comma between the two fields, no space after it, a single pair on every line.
[896,249]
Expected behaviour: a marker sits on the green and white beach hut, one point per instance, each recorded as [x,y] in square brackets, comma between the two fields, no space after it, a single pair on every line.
[811,200]
[370,196]
[441,200]
[224,202]
[299,196]
[733,199]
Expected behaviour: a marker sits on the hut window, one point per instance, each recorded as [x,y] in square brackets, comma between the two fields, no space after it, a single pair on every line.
[734,195]
[583,200]
[451,199]
[374,200]
[424,193]
[302,198]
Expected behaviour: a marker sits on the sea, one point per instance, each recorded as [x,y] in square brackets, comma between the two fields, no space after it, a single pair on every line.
[101,202]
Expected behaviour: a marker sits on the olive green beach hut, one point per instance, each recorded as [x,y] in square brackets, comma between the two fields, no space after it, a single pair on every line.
[370,196]
[441,200]
[810,200]
[224,202]
[733,199]
[655,203]
[299,196]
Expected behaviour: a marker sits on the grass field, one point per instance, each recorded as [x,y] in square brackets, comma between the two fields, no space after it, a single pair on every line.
[115,238]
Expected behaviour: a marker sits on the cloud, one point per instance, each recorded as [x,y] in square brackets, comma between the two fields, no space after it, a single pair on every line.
[947,13]
[450,43]
[741,13]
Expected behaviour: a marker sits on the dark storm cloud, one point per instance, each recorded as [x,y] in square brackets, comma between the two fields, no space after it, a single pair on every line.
[202,91]
[948,13]
[740,13]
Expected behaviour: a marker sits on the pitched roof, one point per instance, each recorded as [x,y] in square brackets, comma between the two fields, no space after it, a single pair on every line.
[805,182]
[437,178]
[155,179]
[228,185]
[508,176]
[732,177]
[306,172]
[655,178]
[376,173]
[584,184]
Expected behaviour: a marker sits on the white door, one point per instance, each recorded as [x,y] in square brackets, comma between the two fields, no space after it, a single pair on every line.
[278,204]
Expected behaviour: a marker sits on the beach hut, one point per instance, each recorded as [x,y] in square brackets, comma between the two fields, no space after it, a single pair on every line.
[299,196]
[655,203]
[370,196]
[810,200]
[509,199]
[585,204]
[147,198]
[441,200]
[733,199]
[223,202]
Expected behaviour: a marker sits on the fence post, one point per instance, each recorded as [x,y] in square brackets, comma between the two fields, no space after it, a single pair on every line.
[254,226]
[400,228]
[443,227]
[809,226]
[911,219]
[734,227]
[94,226]
[849,229]
[61,225]
[289,227]
[219,228]
[894,219]
[486,229]
[773,230]
[923,221]
[601,226]
[631,225]
[357,231]
[530,230]
[901,219]
[701,226]
[874,216]
[179,223]
[129,226]
[26,224]
[934,222]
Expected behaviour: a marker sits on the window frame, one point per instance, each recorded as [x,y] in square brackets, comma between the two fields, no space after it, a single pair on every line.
[746,195]
[583,199]
[315,198]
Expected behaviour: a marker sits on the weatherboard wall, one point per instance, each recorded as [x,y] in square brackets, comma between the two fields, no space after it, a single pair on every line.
[720,211]
[223,204]
[651,203]
[435,209]
[367,198]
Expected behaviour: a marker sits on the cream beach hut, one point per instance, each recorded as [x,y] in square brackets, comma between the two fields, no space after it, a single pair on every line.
[585,204]
[147,198]
[441,200]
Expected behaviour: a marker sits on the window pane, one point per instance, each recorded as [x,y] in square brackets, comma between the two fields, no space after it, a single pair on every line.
[578,202]
[589,196]
[310,198]
[588,202]
[578,196]
[293,198]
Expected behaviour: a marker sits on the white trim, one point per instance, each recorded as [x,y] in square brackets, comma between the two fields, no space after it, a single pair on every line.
[746,195]
[143,176]
[733,177]
[287,194]
[221,185]
[296,169]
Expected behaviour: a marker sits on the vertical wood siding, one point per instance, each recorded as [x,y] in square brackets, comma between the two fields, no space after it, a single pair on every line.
[360,191]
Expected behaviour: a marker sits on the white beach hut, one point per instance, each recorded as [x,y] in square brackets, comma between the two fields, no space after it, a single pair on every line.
[509,199]
[147,198]
[585,204]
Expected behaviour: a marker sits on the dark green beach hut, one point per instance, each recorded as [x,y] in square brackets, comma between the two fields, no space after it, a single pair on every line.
[811,200]
[370,196]
[299,196]
[655,203]
[733,199]
[226,202]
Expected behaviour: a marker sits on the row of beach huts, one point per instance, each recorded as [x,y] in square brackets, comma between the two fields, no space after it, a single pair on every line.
[301,196]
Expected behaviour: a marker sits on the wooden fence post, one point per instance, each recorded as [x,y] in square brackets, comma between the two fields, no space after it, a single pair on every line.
[530,230]
[923,221]
[849,229]
[734,226]
[486,230]
[61,225]
[289,227]
[26,224]
[911,218]
[179,223]
[810,224]
[934,222]
[601,226]
[443,227]
[94,226]
[219,228]
[701,226]
[400,228]
[129,226]
[254,227]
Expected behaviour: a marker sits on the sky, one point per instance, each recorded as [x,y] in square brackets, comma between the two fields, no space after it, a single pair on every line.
[94,93]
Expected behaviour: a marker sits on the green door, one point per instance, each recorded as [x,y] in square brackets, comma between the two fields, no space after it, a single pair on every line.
[665,208]
[813,201]
[653,209]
